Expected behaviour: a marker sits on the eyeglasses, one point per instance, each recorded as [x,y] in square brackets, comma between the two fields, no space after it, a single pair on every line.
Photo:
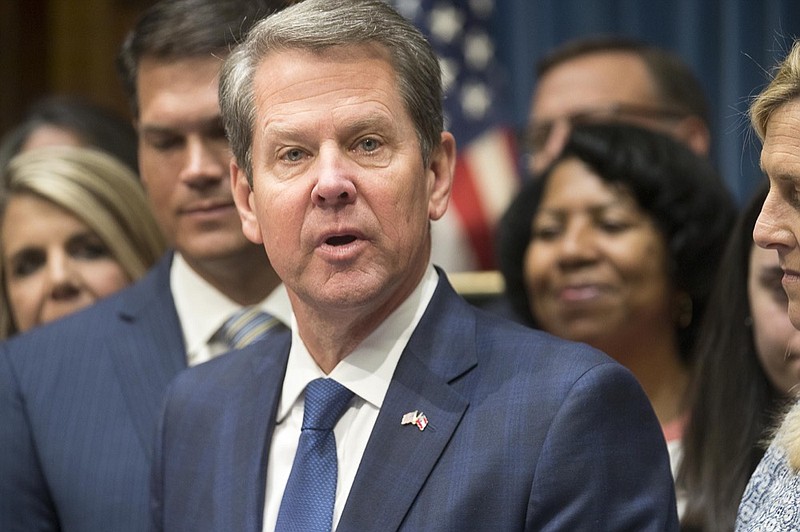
[538,135]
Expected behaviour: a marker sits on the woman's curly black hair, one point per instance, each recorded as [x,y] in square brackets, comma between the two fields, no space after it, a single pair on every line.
[681,191]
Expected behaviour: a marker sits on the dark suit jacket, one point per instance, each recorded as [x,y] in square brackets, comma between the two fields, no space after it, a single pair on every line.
[79,403]
[527,432]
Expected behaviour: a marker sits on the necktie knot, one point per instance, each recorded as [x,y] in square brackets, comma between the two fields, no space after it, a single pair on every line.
[325,402]
[246,326]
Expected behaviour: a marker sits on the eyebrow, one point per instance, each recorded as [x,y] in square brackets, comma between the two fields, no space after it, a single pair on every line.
[80,235]
[204,124]
[594,209]
[372,122]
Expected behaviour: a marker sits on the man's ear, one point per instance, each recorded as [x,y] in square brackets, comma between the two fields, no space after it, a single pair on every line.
[694,132]
[243,197]
[441,171]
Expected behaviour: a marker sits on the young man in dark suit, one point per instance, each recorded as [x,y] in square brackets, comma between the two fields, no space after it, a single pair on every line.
[79,399]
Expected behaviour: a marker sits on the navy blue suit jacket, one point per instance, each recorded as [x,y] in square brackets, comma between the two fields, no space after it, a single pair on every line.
[79,404]
[527,432]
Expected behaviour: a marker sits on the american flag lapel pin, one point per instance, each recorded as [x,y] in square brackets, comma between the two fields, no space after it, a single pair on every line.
[415,418]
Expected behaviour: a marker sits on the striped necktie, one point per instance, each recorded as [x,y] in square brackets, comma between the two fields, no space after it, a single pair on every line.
[246,326]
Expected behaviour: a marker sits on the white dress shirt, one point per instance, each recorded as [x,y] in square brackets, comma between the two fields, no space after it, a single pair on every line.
[202,310]
[367,372]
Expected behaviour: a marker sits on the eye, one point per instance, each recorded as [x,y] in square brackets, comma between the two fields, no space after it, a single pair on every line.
[788,189]
[165,142]
[795,196]
[293,155]
[617,218]
[613,226]
[27,262]
[217,132]
[368,145]
[87,247]
[545,232]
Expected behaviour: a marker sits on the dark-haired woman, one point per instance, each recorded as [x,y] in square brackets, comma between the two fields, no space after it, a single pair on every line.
[616,244]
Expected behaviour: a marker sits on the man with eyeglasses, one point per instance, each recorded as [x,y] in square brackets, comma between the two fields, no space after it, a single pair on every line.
[609,78]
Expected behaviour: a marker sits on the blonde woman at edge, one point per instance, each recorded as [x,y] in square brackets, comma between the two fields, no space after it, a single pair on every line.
[75,226]
[771,500]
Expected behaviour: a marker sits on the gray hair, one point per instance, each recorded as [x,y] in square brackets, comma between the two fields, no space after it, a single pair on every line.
[317,25]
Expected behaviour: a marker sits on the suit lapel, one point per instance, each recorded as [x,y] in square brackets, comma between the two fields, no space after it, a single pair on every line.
[398,458]
[251,423]
[145,343]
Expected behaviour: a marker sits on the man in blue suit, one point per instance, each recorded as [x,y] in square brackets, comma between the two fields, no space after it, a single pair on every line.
[79,400]
[395,405]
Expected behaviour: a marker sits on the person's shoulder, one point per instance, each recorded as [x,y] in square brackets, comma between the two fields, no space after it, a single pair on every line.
[534,347]
[787,437]
[229,369]
[82,324]
[81,327]
[771,495]
[537,367]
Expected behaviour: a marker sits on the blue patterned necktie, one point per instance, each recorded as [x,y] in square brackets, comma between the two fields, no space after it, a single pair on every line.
[307,504]
[246,326]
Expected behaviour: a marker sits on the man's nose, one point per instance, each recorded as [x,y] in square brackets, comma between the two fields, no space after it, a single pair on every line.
[334,186]
[202,163]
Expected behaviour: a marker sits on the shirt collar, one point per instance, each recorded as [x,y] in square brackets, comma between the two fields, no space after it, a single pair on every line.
[368,370]
[202,309]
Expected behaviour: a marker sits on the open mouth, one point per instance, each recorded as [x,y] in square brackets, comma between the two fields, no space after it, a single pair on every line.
[341,240]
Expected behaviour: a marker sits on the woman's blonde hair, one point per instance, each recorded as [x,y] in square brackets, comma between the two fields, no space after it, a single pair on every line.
[97,189]
[784,87]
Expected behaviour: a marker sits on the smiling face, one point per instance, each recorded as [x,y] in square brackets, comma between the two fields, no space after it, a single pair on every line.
[777,341]
[185,157]
[595,268]
[341,199]
[778,225]
[54,264]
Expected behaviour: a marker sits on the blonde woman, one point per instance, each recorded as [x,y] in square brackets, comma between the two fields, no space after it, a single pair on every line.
[75,226]
[771,499]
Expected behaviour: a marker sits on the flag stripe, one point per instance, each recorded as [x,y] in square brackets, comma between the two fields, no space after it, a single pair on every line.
[468,203]
[487,175]
[491,158]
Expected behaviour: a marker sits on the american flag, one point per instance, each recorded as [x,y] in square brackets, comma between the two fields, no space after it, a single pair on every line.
[487,174]
[415,418]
